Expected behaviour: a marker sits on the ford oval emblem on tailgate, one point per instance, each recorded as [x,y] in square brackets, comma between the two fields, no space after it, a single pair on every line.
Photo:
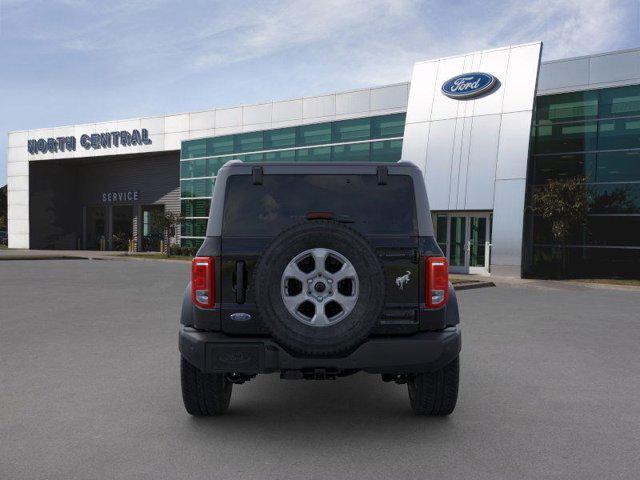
[240,317]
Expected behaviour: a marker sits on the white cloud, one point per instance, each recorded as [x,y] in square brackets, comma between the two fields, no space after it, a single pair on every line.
[281,26]
[374,39]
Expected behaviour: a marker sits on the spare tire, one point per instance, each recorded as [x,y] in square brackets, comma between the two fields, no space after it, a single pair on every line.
[319,287]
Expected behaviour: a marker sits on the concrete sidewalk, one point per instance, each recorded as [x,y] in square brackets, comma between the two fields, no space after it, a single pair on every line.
[20,254]
[23,254]
[506,281]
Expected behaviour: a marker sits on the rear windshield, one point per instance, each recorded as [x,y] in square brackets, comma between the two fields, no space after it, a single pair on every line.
[284,200]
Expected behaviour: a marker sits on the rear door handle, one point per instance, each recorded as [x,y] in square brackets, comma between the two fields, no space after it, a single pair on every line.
[241,284]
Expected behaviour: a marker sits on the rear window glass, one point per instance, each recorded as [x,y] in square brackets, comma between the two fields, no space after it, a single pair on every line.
[284,200]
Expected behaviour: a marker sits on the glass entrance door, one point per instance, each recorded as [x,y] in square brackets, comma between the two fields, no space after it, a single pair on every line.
[477,243]
[465,239]
[151,232]
[95,227]
[457,241]
[121,227]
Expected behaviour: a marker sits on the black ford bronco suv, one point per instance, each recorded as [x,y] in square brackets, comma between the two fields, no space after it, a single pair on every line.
[318,271]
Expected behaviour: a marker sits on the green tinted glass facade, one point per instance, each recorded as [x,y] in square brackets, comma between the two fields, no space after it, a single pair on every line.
[370,139]
[596,135]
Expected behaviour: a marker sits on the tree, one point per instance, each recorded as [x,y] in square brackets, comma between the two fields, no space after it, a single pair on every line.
[166,223]
[565,204]
[3,208]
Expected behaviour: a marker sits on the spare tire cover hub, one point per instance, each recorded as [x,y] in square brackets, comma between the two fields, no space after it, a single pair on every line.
[319,287]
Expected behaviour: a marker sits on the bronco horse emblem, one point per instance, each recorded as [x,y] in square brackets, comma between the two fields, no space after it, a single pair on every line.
[403,280]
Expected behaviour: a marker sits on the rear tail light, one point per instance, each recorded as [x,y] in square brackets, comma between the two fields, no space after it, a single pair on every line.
[437,273]
[203,281]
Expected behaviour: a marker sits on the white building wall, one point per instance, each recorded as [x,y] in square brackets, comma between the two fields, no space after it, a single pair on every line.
[474,152]
[612,69]
[167,133]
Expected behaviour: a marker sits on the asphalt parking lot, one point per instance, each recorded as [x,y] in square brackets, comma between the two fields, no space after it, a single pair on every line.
[89,389]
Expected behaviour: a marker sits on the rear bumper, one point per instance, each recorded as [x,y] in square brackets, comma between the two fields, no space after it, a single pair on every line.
[422,352]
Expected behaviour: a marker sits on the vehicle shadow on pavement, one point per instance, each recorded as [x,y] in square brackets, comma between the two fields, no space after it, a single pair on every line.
[354,406]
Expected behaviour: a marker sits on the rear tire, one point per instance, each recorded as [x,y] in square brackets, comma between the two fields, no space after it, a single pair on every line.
[204,394]
[435,393]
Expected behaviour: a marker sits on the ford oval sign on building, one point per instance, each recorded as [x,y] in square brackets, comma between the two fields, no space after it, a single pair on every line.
[469,85]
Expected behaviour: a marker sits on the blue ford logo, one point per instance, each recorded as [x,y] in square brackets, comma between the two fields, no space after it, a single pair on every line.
[240,317]
[468,85]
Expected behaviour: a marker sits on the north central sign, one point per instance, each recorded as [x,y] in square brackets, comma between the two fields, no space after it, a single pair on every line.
[93,141]
[469,85]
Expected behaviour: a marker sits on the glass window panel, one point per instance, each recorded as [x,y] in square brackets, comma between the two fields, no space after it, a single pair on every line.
[195,208]
[199,168]
[186,188]
[566,107]
[253,157]
[586,261]
[612,198]
[387,151]
[215,164]
[616,134]
[355,152]
[281,156]
[477,241]
[618,167]
[220,145]
[574,137]
[280,138]
[441,232]
[197,188]
[615,198]
[194,148]
[542,233]
[283,200]
[186,169]
[313,134]
[193,228]
[318,154]
[248,142]
[352,130]
[387,126]
[620,102]
[613,230]
[200,188]
[549,167]
[191,242]
[457,232]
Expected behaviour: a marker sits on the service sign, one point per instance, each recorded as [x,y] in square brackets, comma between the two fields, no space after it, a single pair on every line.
[469,85]
[118,197]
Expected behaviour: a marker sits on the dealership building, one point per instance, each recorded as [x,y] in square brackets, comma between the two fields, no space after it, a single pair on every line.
[489,129]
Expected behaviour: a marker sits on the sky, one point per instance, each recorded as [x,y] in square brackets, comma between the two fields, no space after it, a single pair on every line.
[65,62]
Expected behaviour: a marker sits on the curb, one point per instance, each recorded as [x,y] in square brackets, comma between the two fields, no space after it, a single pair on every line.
[44,257]
[473,285]
[79,257]
[170,260]
[601,285]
